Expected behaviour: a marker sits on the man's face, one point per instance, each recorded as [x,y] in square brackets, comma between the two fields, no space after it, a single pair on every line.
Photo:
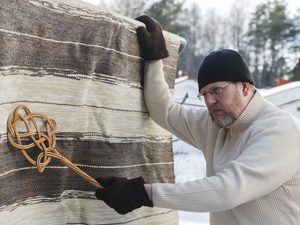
[224,101]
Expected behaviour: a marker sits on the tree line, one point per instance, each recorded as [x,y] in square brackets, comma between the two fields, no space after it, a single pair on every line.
[268,37]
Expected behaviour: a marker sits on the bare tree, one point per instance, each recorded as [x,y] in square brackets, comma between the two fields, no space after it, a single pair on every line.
[190,60]
[130,8]
[211,31]
[237,23]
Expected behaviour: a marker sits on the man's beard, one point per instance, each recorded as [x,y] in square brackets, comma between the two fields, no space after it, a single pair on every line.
[225,121]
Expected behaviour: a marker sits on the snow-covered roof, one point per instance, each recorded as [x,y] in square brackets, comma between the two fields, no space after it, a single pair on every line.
[281,89]
[286,96]
[186,91]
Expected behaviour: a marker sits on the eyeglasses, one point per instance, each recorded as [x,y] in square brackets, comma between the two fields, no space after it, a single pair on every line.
[213,92]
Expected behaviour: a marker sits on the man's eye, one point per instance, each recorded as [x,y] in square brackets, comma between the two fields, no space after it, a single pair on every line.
[215,90]
[218,90]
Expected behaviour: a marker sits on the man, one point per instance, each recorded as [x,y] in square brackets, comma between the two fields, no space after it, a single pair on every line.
[251,147]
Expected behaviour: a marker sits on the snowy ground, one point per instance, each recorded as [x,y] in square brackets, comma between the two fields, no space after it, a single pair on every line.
[189,218]
[189,165]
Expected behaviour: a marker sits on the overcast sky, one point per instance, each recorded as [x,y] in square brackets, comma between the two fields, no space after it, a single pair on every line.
[224,6]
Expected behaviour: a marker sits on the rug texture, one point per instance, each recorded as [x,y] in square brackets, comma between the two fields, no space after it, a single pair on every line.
[80,66]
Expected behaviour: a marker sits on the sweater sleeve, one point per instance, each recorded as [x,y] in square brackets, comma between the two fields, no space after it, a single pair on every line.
[270,158]
[190,125]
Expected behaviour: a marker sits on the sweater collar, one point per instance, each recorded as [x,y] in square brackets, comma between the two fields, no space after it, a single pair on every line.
[249,114]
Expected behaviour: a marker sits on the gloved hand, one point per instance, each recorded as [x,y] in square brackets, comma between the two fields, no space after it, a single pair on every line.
[151,39]
[123,195]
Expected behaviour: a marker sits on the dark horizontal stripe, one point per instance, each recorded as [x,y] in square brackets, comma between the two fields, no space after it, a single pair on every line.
[84,35]
[73,105]
[63,73]
[25,184]
[90,60]
[95,136]
[53,181]
[51,24]
[93,153]
[35,53]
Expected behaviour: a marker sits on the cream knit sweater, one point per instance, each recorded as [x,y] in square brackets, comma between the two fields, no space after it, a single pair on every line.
[253,175]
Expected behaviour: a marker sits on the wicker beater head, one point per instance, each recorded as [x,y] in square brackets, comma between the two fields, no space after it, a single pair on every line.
[24,133]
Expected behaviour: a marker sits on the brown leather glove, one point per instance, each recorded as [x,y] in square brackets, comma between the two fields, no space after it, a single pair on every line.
[151,39]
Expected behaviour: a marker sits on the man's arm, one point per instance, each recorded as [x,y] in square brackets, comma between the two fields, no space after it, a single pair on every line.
[270,159]
[190,125]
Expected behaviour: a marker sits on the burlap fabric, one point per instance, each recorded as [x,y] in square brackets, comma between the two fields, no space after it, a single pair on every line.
[80,66]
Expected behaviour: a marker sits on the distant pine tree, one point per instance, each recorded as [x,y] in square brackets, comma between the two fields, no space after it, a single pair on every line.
[296,72]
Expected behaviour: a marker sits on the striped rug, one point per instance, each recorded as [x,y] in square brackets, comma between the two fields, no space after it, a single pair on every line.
[80,66]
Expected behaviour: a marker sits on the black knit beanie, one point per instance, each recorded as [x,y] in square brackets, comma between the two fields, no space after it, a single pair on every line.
[223,65]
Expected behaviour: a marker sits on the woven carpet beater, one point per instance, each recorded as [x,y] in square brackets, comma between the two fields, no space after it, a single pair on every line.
[31,131]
